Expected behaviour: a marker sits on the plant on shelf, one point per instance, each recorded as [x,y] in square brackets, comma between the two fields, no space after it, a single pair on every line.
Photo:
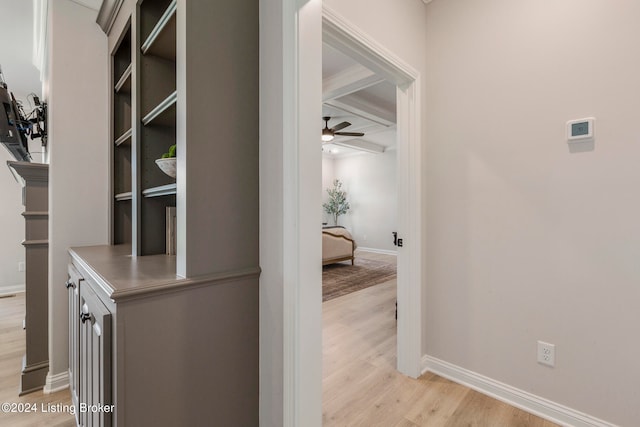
[168,162]
[337,204]
[170,153]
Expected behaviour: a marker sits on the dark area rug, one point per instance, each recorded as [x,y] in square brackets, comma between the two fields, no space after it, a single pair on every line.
[343,278]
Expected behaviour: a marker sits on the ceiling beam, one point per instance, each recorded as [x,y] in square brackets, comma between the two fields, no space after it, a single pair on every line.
[348,81]
[359,107]
[362,145]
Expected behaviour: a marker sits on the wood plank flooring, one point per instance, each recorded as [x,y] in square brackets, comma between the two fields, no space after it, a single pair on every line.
[361,386]
[12,347]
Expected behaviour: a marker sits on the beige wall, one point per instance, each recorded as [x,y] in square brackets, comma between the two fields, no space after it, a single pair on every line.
[79,153]
[530,239]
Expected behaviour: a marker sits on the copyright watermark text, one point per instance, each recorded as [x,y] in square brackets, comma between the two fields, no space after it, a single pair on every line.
[26,407]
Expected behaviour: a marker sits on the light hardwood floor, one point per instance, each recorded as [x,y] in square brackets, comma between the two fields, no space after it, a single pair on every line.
[361,386]
[12,346]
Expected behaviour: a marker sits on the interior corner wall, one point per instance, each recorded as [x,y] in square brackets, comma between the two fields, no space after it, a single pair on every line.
[371,186]
[78,153]
[13,228]
[530,238]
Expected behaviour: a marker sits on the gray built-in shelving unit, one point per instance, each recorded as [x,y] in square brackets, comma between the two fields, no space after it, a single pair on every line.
[173,339]
[122,137]
[157,112]
[144,127]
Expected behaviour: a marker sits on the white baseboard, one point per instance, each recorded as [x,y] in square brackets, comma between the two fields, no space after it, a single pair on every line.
[56,382]
[526,401]
[377,251]
[10,290]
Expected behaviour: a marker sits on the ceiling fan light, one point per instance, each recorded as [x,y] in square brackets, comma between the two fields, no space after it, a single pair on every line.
[326,135]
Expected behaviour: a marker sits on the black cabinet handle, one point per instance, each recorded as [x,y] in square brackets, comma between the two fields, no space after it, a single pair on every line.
[85,316]
[70,284]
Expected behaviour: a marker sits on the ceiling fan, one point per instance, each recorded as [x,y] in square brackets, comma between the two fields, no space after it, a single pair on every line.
[329,134]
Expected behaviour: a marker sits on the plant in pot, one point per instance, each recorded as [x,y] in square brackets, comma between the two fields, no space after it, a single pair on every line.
[168,162]
[337,204]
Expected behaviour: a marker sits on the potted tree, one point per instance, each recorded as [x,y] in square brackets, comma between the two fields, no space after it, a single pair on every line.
[337,204]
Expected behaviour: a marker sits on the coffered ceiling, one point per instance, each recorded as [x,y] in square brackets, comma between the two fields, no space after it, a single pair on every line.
[355,94]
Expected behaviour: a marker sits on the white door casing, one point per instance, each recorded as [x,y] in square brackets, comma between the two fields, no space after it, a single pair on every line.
[290,242]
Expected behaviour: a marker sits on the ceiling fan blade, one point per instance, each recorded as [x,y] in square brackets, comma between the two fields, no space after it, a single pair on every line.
[340,126]
[349,133]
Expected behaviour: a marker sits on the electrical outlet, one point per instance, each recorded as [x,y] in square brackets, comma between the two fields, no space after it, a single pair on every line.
[546,353]
[21,266]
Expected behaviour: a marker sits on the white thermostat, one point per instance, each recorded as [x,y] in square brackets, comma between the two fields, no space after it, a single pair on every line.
[580,130]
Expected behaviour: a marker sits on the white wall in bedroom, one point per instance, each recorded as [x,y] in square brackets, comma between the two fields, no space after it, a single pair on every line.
[371,186]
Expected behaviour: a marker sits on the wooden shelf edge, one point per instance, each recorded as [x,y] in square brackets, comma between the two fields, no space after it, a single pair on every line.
[123,79]
[160,108]
[120,197]
[162,190]
[122,138]
[157,30]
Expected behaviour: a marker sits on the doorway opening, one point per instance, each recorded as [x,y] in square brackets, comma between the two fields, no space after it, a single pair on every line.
[359,256]
[294,268]
[382,65]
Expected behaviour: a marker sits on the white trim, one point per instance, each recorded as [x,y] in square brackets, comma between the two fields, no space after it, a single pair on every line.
[6,291]
[353,42]
[377,251]
[40,34]
[56,382]
[524,400]
[302,246]
[290,271]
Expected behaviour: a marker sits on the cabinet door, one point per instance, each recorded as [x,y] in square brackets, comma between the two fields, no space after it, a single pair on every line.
[73,286]
[95,361]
